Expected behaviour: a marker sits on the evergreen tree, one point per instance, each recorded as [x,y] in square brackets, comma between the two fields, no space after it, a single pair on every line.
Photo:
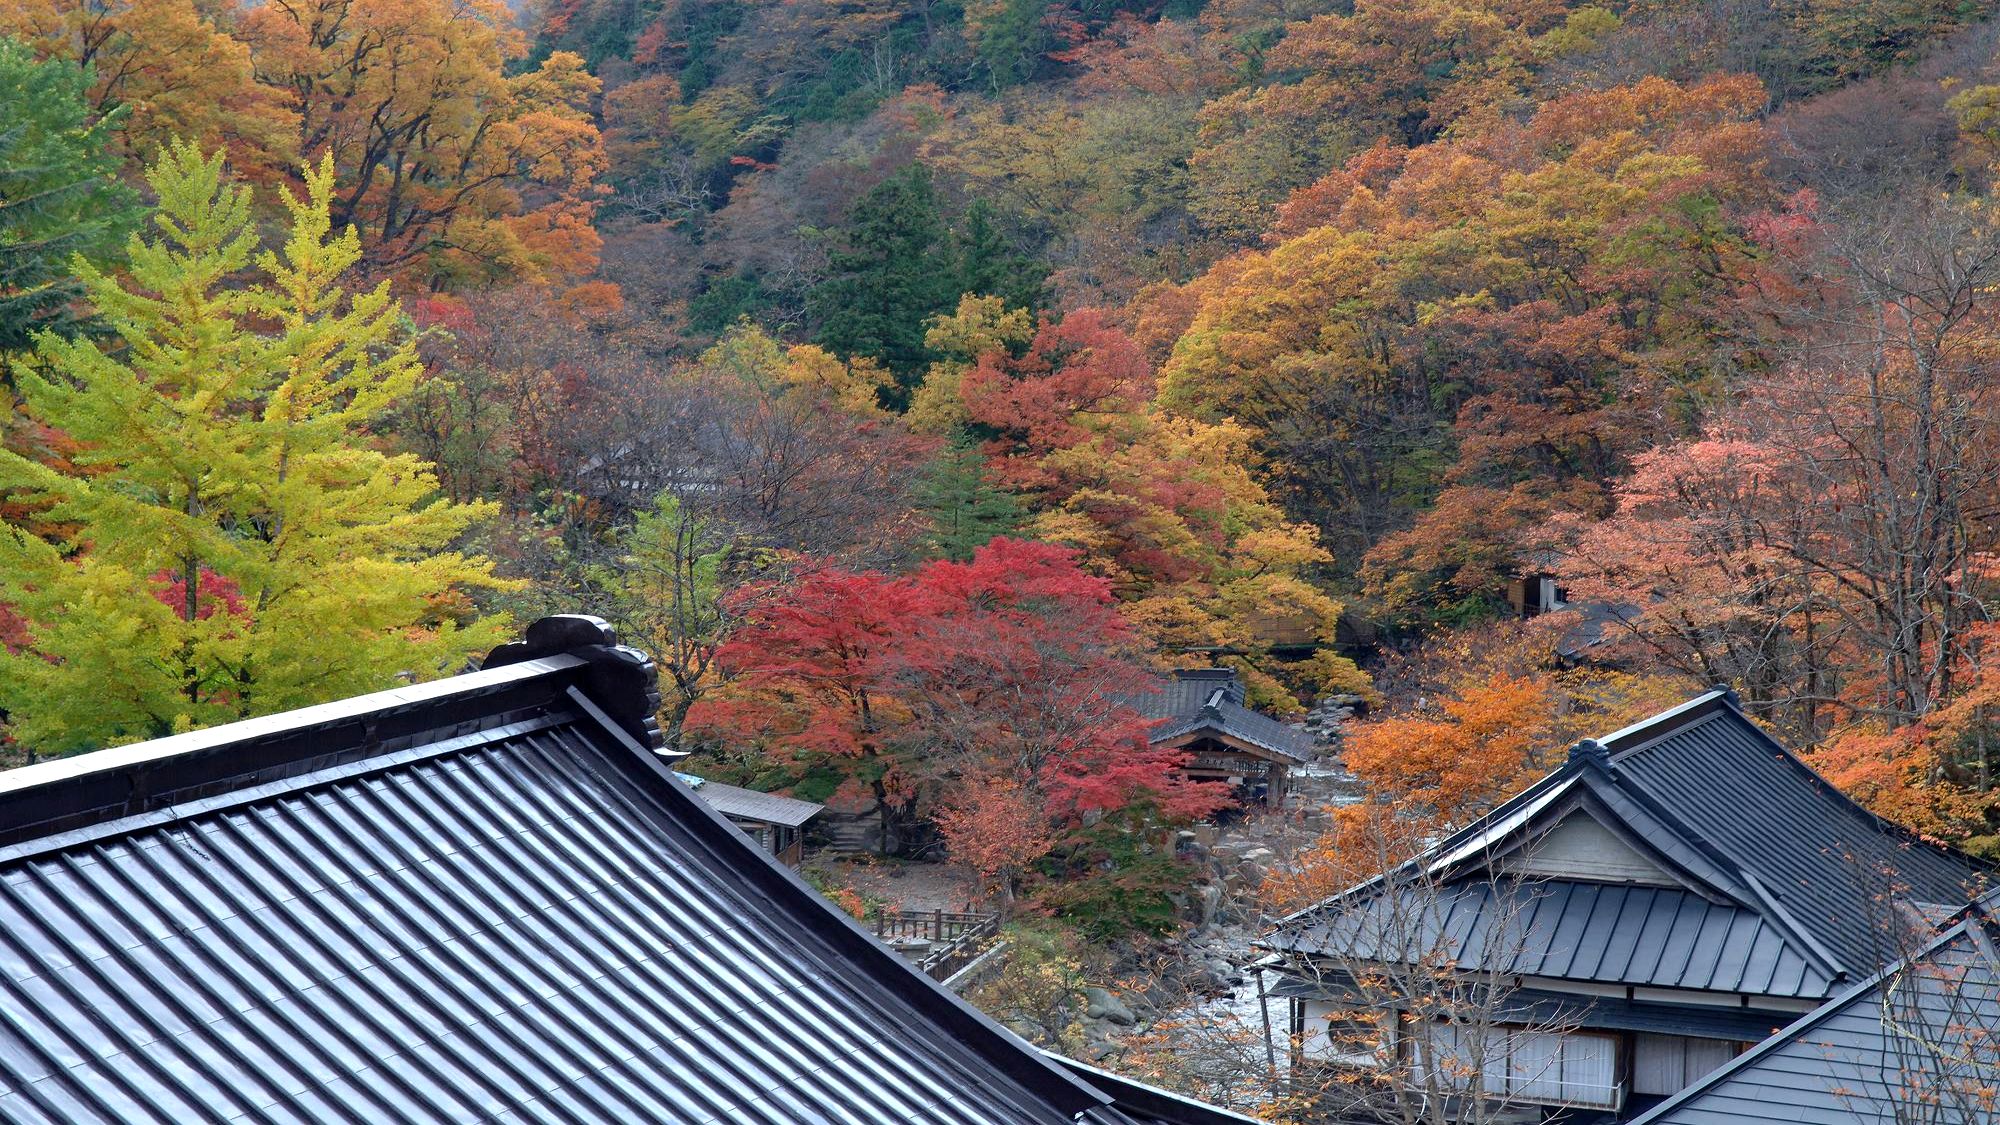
[59,192]
[893,269]
[965,510]
[990,267]
[229,543]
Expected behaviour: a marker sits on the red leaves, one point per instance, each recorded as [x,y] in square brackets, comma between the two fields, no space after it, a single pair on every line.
[213,593]
[1078,373]
[962,678]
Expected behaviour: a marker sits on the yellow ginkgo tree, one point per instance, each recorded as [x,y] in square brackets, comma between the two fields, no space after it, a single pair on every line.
[227,540]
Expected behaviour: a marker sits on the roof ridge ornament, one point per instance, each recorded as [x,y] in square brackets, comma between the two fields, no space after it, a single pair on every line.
[621,680]
[1590,750]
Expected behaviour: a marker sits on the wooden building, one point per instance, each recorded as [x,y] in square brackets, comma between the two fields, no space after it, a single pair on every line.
[1202,711]
[484,899]
[776,822]
[1672,895]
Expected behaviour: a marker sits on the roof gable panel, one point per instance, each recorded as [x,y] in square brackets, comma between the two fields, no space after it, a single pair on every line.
[1579,846]
[1920,1042]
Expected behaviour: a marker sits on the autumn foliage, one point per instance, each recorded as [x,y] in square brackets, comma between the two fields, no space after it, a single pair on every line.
[970,691]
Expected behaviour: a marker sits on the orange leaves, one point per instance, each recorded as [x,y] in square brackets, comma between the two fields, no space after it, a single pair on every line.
[1488,742]
[177,67]
[995,826]
[1077,373]
[451,169]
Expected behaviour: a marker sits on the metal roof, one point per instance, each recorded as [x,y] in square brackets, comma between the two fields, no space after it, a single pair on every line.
[1210,700]
[1826,861]
[1920,1042]
[752,804]
[1544,1008]
[1787,882]
[1633,935]
[478,901]
[1187,691]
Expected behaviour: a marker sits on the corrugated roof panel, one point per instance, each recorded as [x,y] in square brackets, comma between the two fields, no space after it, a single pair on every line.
[1650,936]
[1816,851]
[514,931]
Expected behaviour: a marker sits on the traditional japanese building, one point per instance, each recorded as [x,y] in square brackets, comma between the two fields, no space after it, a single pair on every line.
[485,899]
[1202,710]
[776,822]
[1917,1044]
[1672,895]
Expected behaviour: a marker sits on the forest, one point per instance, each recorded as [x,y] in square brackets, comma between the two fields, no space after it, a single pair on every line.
[916,380]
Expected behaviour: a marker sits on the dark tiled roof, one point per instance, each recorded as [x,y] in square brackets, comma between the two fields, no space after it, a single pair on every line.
[1790,880]
[1210,700]
[1188,691]
[1918,1043]
[479,900]
[752,804]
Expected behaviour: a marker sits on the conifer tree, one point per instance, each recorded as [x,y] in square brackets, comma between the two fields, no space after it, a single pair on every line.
[229,543]
[59,192]
[893,270]
[966,511]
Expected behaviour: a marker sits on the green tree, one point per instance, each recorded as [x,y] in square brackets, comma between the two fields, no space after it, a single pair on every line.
[59,192]
[989,266]
[229,543]
[965,510]
[665,595]
[892,268]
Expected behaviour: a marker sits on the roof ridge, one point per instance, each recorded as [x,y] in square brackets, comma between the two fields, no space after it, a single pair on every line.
[1658,726]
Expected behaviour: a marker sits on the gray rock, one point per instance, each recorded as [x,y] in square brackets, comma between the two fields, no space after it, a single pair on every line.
[1105,1005]
[1211,903]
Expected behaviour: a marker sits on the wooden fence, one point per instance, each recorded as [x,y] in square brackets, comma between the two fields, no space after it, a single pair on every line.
[955,937]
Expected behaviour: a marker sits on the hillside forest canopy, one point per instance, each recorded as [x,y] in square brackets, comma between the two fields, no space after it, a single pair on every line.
[917,380]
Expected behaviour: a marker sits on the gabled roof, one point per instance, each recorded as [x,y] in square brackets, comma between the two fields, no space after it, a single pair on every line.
[1785,881]
[485,899]
[751,804]
[1209,701]
[1918,1042]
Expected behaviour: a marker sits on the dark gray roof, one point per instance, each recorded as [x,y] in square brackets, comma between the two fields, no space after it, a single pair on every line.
[1543,1008]
[1918,1043]
[1634,935]
[1187,691]
[1210,700]
[480,900]
[751,804]
[1787,878]
[1826,861]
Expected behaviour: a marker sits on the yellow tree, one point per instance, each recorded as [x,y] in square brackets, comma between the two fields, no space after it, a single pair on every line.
[449,168]
[227,541]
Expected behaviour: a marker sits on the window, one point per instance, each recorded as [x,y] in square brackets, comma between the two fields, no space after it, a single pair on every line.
[1535,1066]
[1668,1064]
[1336,1033]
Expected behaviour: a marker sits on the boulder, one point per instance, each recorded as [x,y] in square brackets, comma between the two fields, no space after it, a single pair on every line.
[1105,1005]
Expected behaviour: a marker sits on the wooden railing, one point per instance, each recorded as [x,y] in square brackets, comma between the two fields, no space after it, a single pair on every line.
[932,925]
[955,937]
